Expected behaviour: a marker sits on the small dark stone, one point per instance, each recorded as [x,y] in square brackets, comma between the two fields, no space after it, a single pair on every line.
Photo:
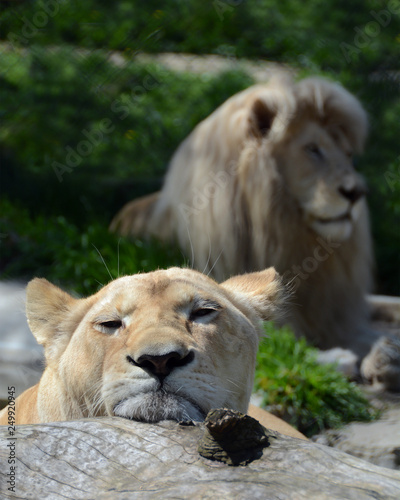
[232,437]
[186,423]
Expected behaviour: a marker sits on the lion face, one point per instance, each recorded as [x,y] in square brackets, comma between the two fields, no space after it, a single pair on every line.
[164,345]
[317,166]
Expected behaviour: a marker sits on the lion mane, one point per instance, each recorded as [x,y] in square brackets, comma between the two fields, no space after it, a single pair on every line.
[268,180]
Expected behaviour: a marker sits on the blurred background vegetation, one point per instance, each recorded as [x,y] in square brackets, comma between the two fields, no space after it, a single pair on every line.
[86,126]
[69,74]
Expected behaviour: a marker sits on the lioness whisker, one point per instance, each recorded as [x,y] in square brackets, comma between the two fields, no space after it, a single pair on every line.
[191,247]
[229,391]
[119,241]
[209,253]
[93,394]
[97,403]
[104,262]
[235,383]
[216,260]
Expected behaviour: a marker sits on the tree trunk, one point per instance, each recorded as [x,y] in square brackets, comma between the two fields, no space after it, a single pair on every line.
[120,459]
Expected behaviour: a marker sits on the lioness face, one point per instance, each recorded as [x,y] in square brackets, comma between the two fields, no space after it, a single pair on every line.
[170,344]
[317,165]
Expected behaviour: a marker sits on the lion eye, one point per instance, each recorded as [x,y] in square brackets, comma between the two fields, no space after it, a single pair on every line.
[314,150]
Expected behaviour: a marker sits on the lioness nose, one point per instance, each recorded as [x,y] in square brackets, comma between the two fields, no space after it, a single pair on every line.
[354,193]
[162,366]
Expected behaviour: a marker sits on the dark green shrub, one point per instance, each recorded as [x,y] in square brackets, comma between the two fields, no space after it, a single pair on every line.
[79,259]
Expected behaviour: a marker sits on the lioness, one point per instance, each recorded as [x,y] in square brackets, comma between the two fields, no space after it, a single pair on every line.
[170,344]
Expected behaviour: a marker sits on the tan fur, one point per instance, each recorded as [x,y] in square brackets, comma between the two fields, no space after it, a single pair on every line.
[267,180]
[134,215]
[170,344]
[271,421]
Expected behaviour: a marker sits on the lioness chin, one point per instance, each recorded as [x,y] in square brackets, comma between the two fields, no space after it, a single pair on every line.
[171,344]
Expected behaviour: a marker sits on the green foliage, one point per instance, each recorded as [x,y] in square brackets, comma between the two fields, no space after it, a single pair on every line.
[79,259]
[97,136]
[60,82]
[310,396]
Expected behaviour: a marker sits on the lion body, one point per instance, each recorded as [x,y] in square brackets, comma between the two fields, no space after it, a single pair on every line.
[170,344]
[267,180]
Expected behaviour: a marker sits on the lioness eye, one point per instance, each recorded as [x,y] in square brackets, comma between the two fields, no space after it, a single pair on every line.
[114,325]
[203,312]
[200,313]
[109,326]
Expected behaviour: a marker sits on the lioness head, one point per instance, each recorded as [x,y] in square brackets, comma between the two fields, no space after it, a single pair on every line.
[170,344]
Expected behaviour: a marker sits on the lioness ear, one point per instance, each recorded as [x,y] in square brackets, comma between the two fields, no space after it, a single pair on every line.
[263,291]
[47,310]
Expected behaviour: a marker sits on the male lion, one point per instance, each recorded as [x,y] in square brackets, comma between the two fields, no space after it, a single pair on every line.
[171,344]
[268,180]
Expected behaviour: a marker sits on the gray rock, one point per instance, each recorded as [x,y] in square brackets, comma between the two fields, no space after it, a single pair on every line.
[21,357]
[378,441]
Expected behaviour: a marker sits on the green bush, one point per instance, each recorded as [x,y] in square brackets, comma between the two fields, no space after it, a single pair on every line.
[82,260]
[81,143]
[310,396]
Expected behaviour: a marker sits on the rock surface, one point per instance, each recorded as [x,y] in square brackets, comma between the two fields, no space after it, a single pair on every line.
[119,459]
[21,357]
[379,441]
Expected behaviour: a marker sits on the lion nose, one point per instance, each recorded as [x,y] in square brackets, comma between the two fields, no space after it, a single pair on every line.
[162,366]
[354,193]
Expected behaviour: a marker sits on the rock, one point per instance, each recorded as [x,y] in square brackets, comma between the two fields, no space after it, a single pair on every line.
[232,437]
[384,308]
[260,70]
[119,459]
[378,441]
[21,357]
[382,364]
[345,360]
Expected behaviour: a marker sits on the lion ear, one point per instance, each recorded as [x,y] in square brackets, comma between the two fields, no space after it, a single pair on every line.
[263,291]
[49,312]
[262,115]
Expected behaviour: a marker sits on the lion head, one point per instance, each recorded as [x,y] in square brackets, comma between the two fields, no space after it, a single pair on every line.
[170,344]
[312,140]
